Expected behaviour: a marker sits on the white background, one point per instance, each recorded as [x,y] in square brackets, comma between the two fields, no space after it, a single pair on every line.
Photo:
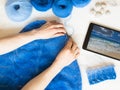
[80,19]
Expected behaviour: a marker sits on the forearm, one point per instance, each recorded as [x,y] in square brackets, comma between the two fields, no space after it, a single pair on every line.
[42,80]
[13,42]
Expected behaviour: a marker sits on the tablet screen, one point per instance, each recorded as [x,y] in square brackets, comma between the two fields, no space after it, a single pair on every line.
[103,40]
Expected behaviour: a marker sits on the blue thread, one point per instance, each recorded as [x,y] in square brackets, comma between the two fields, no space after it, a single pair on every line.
[42,5]
[80,3]
[62,8]
[18,10]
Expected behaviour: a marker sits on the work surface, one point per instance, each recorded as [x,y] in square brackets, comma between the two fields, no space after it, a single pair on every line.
[79,20]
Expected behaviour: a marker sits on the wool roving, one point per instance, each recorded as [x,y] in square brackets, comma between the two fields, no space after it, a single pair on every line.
[42,5]
[80,3]
[23,64]
[62,8]
[18,10]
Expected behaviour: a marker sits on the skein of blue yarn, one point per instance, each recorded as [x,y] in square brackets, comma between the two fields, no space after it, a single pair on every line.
[18,10]
[42,5]
[62,8]
[80,3]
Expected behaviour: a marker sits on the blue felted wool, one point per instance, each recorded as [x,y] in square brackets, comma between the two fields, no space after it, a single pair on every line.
[80,3]
[18,10]
[42,5]
[23,64]
[100,74]
[62,8]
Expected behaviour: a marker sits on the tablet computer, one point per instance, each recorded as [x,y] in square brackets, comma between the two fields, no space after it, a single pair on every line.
[103,40]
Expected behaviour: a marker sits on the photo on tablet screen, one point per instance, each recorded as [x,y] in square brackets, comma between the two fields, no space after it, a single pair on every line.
[103,40]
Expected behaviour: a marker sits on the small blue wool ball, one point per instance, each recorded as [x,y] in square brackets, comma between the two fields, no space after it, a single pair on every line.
[42,5]
[18,10]
[80,3]
[62,8]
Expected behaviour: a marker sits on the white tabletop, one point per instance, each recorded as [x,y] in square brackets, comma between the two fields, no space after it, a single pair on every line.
[79,20]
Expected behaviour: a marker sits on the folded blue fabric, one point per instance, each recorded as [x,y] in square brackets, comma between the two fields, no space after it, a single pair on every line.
[18,10]
[42,5]
[23,64]
[80,3]
[62,8]
[100,74]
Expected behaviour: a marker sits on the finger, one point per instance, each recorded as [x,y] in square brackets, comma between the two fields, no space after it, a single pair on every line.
[69,43]
[58,30]
[76,51]
[53,21]
[74,46]
[77,55]
[55,25]
[59,34]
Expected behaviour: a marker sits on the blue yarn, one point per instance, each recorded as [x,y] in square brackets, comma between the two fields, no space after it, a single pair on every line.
[80,3]
[62,8]
[42,5]
[23,64]
[18,10]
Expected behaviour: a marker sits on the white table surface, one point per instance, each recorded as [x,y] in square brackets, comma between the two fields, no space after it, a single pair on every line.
[80,19]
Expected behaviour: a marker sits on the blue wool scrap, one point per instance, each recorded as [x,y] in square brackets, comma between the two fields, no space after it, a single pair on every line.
[100,74]
[21,65]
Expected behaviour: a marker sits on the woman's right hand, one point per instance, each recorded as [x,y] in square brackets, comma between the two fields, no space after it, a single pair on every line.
[67,55]
[49,30]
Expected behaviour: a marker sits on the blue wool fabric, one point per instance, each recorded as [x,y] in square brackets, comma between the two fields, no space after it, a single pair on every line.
[62,8]
[18,10]
[80,3]
[100,74]
[42,5]
[23,64]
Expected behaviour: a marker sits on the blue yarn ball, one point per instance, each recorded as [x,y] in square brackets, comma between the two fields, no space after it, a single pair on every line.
[80,3]
[62,8]
[42,5]
[18,10]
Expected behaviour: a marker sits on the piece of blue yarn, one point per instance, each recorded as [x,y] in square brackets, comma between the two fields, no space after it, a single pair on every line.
[62,8]
[80,3]
[23,64]
[42,5]
[18,10]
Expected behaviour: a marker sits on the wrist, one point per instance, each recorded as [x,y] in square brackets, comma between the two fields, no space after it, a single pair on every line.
[33,34]
[57,65]
[27,36]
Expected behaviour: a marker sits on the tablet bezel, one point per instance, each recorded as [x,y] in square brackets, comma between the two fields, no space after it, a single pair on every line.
[87,37]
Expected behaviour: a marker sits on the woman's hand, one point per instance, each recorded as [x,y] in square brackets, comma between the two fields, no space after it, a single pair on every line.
[68,54]
[49,30]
